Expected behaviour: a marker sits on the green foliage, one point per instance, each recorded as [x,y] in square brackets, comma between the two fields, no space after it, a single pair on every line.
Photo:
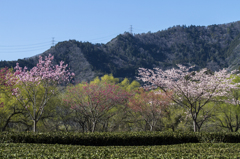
[227,113]
[174,118]
[129,86]
[105,79]
[110,79]
[34,97]
[227,117]
[11,113]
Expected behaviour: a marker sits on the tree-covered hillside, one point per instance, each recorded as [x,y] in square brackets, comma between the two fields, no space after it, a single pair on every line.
[214,47]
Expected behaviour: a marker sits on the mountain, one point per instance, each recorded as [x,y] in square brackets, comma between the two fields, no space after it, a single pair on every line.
[213,46]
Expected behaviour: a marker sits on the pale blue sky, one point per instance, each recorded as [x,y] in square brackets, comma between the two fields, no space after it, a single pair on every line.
[27,26]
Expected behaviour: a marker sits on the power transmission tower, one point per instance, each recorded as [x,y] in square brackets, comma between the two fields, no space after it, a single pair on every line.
[130,29]
[53,41]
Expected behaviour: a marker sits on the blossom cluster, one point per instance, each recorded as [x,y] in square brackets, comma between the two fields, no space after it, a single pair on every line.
[100,97]
[192,85]
[44,71]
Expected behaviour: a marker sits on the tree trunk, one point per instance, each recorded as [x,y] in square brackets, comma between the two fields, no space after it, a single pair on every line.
[195,129]
[34,114]
[34,125]
[237,124]
[173,129]
[93,126]
[151,127]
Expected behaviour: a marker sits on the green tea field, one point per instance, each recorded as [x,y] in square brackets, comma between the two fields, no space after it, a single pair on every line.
[189,150]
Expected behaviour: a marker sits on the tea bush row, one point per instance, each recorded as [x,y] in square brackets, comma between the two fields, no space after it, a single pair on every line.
[190,150]
[119,139]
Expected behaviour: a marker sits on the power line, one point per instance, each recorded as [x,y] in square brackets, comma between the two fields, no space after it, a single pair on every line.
[24,45]
[15,49]
[15,52]
[23,48]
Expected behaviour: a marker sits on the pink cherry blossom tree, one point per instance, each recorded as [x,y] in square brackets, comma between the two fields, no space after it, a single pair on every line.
[192,90]
[94,103]
[39,85]
[150,106]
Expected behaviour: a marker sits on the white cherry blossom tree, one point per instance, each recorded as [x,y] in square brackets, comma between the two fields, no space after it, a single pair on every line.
[192,90]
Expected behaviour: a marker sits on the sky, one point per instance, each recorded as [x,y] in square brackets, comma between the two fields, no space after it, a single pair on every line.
[30,27]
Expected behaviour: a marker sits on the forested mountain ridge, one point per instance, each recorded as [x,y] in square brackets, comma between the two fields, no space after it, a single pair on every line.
[214,47]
